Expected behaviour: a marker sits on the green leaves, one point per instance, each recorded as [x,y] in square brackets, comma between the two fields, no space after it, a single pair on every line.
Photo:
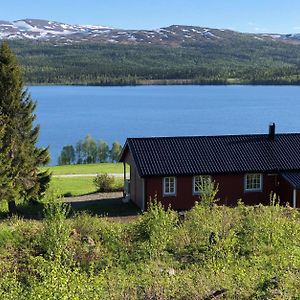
[89,151]
[20,158]
[246,252]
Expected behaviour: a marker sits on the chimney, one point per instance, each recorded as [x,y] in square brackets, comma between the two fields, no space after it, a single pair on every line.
[272,131]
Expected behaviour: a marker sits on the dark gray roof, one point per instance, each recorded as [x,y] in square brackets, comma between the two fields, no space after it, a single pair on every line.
[293,178]
[161,156]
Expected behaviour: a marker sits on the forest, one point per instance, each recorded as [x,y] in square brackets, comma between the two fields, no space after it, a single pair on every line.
[241,60]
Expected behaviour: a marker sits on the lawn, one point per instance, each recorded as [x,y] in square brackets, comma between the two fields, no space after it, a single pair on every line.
[86,169]
[75,186]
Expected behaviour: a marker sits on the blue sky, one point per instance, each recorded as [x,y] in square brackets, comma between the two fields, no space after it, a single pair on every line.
[247,16]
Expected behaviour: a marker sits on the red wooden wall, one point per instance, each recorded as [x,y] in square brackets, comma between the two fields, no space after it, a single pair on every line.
[231,189]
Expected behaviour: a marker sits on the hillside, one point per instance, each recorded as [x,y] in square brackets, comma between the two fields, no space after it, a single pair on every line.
[236,253]
[58,53]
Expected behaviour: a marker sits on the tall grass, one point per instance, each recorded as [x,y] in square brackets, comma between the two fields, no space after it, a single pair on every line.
[240,253]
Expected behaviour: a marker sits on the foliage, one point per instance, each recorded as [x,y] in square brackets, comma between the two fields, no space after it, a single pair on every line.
[86,150]
[103,151]
[208,191]
[104,182]
[67,155]
[89,151]
[21,157]
[234,59]
[254,254]
[56,233]
[156,228]
[115,151]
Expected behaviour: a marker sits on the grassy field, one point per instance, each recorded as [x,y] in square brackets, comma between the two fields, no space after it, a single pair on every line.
[86,169]
[75,186]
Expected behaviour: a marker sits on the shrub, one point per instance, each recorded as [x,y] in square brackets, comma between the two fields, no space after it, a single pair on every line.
[56,231]
[156,228]
[208,192]
[104,182]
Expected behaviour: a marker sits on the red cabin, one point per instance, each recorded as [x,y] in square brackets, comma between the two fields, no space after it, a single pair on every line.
[246,167]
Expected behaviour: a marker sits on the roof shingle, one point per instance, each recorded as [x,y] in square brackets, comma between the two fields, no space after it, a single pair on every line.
[188,155]
[293,178]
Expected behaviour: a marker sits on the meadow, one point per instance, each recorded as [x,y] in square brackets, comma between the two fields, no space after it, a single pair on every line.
[76,186]
[115,168]
[82,185]
[234,253]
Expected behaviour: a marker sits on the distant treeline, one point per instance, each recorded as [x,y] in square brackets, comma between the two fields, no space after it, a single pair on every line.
[89,151]
[240,60]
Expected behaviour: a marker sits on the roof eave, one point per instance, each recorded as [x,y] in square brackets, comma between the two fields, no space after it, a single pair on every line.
[123,152]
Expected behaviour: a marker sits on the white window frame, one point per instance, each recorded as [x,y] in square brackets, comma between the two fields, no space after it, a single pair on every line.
[208,177]
[165,192]
[256,189]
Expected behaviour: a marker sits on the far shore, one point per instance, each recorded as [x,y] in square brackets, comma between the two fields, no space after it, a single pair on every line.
[171,82]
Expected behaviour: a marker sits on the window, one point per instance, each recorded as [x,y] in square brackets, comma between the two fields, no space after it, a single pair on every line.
[169,186]
[198,181]
[253,182]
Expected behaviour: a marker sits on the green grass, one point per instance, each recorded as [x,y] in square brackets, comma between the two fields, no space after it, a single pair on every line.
[73,185]
[86,169]
[76,186]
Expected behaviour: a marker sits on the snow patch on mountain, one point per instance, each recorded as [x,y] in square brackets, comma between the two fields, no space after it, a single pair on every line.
[174,35]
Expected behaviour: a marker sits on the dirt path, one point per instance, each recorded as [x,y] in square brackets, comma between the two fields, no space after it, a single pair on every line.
[110,205]
[88,175]
[94,197]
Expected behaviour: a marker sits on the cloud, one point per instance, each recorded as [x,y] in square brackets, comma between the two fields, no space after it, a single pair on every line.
[254,27]
[260,29]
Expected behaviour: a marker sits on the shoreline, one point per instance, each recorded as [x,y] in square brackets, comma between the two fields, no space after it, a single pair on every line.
[169,82]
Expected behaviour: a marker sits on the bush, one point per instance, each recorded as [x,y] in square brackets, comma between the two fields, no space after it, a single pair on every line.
[156,228]
[208,191]
[56,232]
[104,182]
[236,253]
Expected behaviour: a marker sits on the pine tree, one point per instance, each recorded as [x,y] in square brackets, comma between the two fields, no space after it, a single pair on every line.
[4,162]
[20,156]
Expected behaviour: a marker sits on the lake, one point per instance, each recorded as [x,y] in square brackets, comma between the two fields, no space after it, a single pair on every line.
[68,113]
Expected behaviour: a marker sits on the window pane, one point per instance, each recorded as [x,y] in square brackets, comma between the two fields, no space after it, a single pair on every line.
[169,185]
[253,182]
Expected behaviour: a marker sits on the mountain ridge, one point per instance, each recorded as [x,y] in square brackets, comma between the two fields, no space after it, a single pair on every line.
[174,35]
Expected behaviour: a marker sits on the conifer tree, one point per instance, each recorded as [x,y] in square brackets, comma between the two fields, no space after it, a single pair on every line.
[20,157]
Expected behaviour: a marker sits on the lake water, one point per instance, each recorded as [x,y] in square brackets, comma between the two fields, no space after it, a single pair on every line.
[67,113]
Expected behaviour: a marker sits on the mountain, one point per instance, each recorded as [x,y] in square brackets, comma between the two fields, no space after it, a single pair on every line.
[57,53]
[36,29]
[175,35]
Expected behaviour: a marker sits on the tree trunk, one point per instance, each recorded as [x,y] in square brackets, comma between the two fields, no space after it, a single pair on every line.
[12,208]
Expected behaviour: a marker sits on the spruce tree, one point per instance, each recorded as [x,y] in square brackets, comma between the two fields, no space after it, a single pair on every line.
[20,157]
